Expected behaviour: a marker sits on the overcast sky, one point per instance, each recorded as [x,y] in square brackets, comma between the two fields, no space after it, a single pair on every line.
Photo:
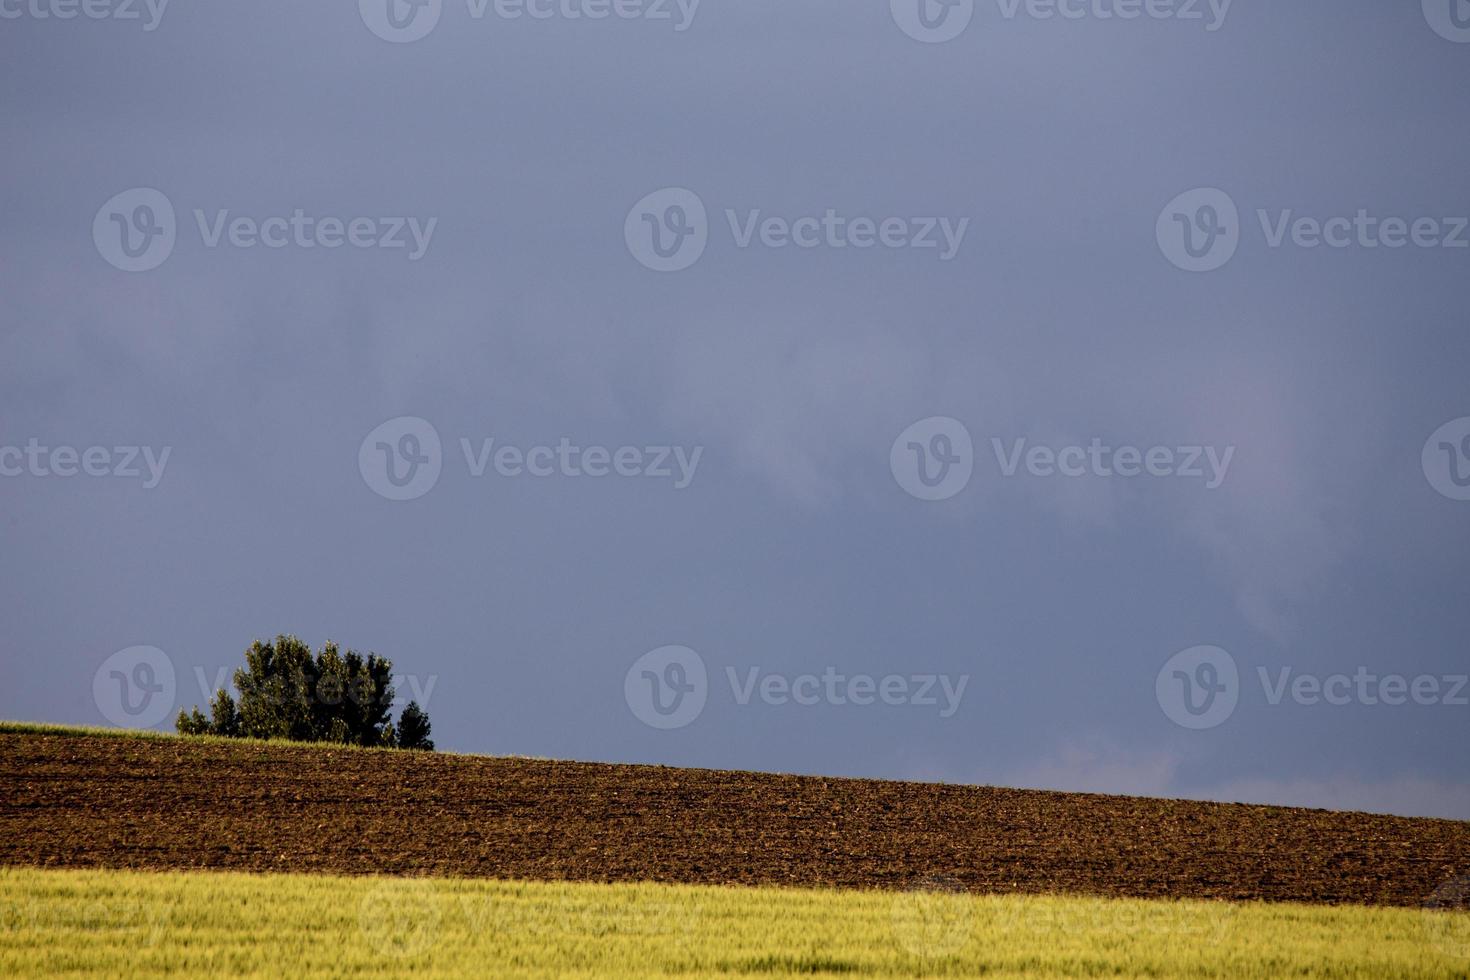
[892,440]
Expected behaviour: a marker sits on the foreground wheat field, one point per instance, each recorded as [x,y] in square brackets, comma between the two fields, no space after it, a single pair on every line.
[114,923]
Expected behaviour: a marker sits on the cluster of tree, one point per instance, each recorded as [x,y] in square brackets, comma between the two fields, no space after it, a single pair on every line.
[334,696]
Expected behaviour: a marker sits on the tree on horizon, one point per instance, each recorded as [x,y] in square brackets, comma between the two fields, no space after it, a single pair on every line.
[288,693]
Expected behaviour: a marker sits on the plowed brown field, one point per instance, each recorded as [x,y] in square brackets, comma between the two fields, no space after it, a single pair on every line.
[80,800]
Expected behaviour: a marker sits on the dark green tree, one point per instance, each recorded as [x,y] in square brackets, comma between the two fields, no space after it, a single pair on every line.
[192,722]
[224,719]
[287,693]
[413,728]
[369,704]
[275,690]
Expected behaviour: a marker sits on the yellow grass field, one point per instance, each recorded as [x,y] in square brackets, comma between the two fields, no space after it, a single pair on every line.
[114,923]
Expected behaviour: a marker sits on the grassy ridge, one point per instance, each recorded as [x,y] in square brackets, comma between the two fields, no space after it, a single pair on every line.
[154,734]
[48,728]
[116,923]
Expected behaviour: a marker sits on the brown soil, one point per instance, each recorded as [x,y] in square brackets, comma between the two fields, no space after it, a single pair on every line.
[95,801]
